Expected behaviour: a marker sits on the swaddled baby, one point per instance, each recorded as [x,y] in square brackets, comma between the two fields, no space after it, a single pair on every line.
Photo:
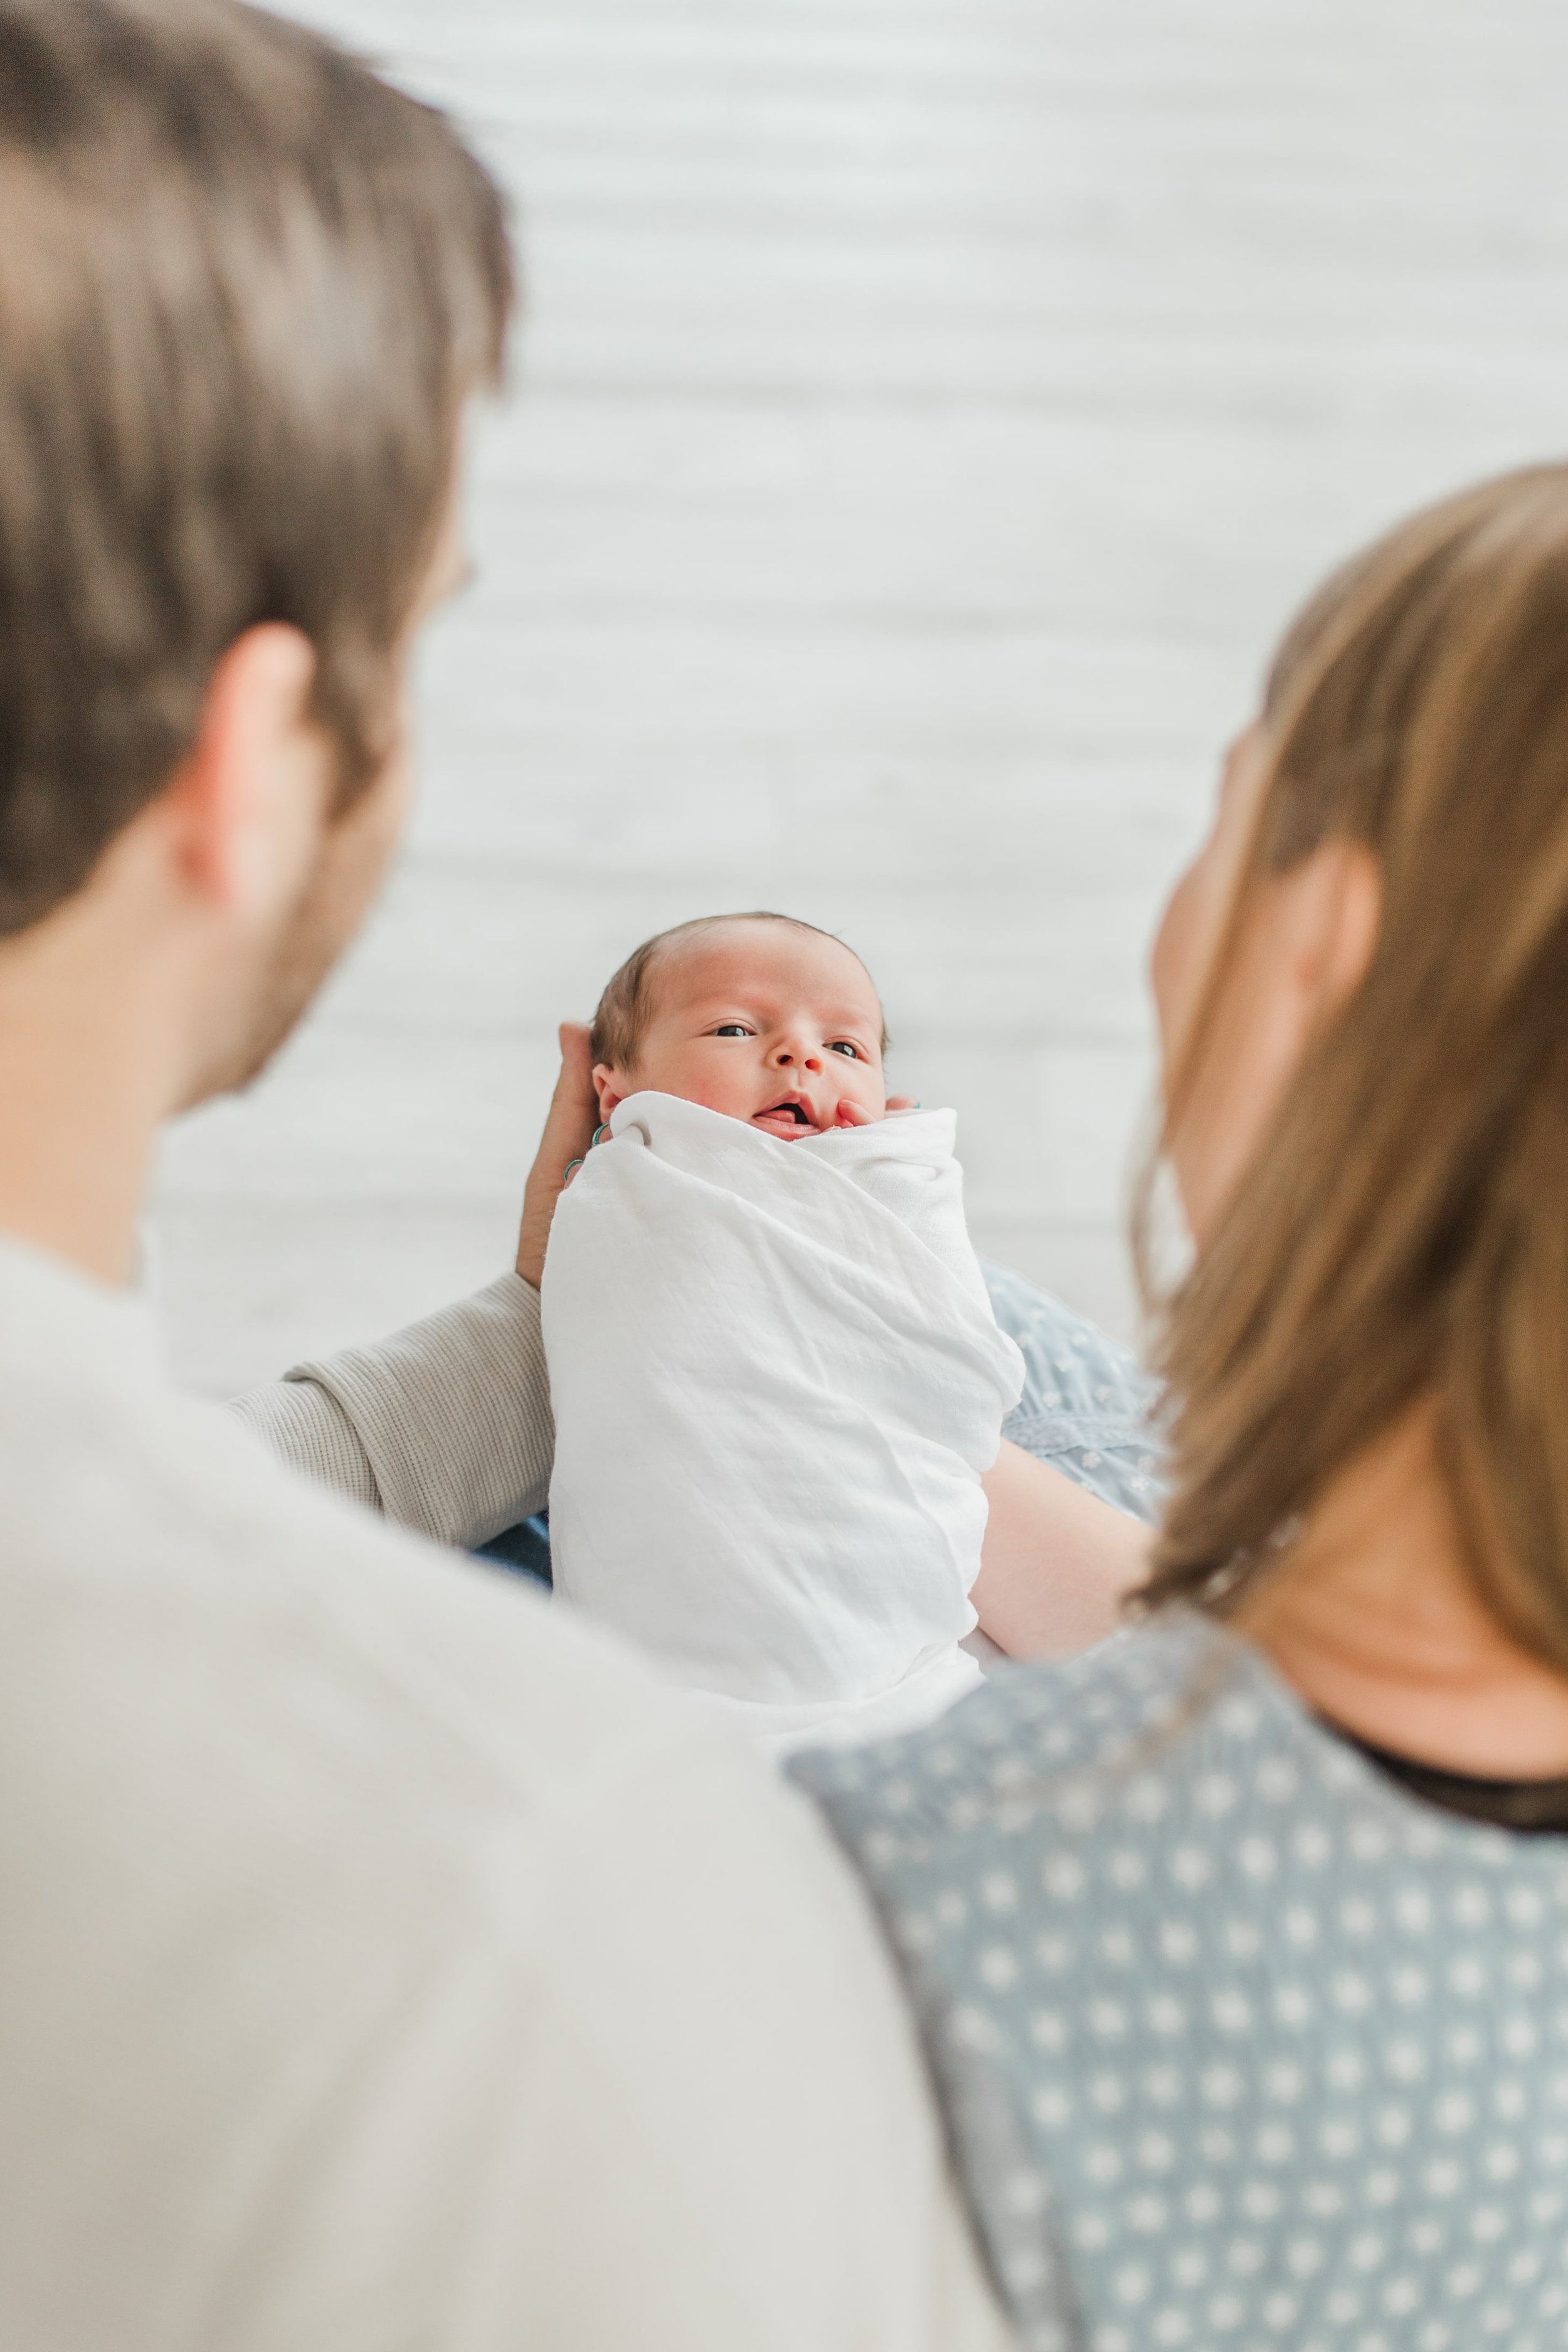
[775,1372]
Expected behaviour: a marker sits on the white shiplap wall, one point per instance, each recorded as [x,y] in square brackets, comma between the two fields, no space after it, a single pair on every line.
[927,410]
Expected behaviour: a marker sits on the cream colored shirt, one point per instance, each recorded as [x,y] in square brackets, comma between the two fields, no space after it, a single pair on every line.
[388,1962]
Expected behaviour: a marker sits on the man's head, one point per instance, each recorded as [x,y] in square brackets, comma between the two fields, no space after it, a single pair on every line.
[759,1016]
[246,290]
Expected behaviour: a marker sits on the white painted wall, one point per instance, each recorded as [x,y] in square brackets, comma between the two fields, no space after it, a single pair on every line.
[926,414]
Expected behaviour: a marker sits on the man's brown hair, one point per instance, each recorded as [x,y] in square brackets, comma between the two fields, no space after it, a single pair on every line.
[626,1004]
[1401,1237]
[244,290]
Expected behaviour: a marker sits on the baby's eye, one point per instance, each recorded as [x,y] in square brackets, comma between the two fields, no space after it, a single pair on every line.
[732,1029]
[843,1046]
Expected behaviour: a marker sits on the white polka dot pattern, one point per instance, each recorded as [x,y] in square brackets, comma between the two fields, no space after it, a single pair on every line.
[1243,2045]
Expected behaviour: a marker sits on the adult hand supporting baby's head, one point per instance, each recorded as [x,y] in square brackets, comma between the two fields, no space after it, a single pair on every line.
[569,1124]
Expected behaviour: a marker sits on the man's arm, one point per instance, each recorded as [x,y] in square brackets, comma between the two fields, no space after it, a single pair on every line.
[445,1427]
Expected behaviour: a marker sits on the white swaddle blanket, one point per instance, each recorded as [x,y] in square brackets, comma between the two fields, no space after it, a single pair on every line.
[776,1379]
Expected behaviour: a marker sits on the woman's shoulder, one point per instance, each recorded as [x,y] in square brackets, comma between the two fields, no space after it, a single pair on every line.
[1172,1751]
[1115,1725]
[1150,1915]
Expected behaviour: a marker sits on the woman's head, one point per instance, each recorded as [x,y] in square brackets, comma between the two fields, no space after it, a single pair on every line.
[1363,993]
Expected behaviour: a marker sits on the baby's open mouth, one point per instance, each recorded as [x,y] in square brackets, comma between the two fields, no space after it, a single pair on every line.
[788,1118]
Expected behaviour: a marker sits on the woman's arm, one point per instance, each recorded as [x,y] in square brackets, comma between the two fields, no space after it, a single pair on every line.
[446,1426]
[1070,1494]
[1058,1562]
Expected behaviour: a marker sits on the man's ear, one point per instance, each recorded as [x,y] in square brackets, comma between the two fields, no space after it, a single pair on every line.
[248,802]
[611,1089]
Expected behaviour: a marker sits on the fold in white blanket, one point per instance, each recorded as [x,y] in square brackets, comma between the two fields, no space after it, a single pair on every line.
[776,1379]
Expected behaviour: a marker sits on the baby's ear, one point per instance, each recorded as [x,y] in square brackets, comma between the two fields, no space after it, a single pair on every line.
[609,1087]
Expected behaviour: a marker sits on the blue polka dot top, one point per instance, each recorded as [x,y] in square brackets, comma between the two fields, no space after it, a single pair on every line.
[1240,2043]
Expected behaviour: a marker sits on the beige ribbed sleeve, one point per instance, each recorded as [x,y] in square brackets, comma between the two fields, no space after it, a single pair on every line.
[444,1427]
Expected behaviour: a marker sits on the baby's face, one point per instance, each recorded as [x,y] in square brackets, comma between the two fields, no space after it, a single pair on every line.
[779,1027]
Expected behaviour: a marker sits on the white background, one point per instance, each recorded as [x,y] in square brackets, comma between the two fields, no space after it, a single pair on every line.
[927,412]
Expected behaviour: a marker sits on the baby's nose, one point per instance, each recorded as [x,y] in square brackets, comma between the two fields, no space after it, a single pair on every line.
[797,1055]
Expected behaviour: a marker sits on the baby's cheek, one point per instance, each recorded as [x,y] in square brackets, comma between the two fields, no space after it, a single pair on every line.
[717,1081]
[736,1091]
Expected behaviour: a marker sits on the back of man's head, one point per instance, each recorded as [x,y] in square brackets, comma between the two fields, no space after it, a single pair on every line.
[244,290]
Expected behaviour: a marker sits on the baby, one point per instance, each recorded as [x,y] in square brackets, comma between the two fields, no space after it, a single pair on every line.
[775,1372]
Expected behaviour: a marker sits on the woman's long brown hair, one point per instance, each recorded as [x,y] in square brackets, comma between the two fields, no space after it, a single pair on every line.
[1402,1234]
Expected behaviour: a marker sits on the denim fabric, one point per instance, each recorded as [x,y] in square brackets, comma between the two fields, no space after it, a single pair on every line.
[523,1549]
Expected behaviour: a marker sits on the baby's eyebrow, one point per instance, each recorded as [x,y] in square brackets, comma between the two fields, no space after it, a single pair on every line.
[731,1008]
[865,1020]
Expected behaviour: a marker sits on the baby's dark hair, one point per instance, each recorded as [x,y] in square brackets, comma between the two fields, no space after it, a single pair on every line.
[627,1001]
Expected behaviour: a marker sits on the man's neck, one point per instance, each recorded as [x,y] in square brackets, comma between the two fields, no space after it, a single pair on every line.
[1374,1619]
[83,1087]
